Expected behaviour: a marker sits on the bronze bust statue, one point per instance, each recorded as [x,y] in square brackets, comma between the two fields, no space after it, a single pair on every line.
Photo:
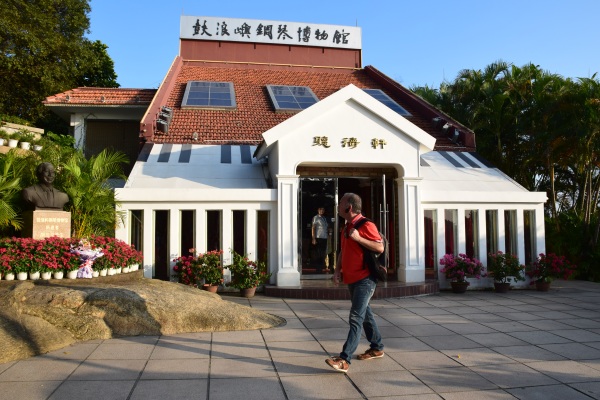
[42,195]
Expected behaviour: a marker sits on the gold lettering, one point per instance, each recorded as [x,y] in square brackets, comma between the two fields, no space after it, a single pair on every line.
[375,143]
[350,142]
[321,141]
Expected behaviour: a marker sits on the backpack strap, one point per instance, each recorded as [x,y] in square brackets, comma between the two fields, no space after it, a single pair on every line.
[361,222]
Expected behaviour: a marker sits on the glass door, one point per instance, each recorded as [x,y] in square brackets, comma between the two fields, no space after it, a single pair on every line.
[378,205]
[317,218]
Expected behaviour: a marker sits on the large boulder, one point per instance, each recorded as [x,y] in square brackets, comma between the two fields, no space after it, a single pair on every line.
[40,316]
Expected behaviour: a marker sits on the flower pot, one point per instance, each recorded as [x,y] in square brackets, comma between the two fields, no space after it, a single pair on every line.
[111,271]
[21,276]
[13,142]
[34,276]
[118,270]
[501,287]
[459,287]
[125,270]
[9,276]
[46,275]
[103,272]
[37,147]
[248,292]
[134,267]
[72,274]
[25,145]
[58,274]
[2,140]
[542,286]
[210,288]
[95,274]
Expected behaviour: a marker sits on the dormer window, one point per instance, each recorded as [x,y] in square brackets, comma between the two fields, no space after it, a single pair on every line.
[291,98]
[387,100]
[202,94]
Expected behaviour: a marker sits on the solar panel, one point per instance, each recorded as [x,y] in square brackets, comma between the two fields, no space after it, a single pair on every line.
[291,98]
[387,100]
[209,94]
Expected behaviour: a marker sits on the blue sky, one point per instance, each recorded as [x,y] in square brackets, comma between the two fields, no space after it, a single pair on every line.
[415,42]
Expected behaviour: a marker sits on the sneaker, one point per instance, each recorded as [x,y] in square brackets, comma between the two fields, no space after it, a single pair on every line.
[370,354]
[338,363]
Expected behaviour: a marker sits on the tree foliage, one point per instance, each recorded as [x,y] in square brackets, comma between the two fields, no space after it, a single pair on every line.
[543,130]
[43,51]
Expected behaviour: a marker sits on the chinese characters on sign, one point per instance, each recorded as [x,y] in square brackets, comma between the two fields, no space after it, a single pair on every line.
[350,142]
[276,32]
[52,226]
[41,224]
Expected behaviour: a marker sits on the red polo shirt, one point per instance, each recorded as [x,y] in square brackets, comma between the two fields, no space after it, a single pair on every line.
[353,267]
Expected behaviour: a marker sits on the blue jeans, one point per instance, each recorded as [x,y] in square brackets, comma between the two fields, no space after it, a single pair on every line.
[361,317]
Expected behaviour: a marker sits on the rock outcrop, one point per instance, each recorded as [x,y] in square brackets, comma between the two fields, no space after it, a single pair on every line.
[41,316]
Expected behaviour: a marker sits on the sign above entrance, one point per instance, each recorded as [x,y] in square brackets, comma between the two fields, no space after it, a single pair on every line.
[273,32]
[349,142]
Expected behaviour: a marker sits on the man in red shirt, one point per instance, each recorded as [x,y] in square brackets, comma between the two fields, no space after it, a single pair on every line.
[359,280]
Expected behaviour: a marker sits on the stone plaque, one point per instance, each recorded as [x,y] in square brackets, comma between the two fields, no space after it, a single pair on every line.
[41,224]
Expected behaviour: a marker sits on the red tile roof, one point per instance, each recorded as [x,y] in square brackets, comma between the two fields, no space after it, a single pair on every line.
[102,96]
[255,114]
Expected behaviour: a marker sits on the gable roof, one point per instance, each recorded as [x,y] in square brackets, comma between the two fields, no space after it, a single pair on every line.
[359,99]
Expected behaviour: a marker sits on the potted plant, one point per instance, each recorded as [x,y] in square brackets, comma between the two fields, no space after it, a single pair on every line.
[134,258]
[201,271]
[19,256]
[118,256]
[186,271]
[458,268]
[548,267]
[13,141]
[504,268]
[246,274]
[210,269]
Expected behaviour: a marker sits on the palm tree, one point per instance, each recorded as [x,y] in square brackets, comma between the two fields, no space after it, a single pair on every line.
[92,201]
[10,192]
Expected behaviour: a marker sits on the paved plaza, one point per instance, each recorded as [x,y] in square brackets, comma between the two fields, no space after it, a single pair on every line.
[478,345]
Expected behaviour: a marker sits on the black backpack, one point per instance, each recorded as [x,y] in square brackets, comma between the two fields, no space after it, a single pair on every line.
[378,263]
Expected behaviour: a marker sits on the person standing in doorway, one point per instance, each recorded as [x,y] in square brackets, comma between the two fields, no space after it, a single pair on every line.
[360,283]
[319,239]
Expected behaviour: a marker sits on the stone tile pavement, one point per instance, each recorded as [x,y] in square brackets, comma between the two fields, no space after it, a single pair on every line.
[478,345]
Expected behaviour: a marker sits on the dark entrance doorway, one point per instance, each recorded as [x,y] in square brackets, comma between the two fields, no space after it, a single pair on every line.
[379,203]
[314,194]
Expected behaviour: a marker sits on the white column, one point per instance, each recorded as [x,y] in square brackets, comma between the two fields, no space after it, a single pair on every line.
[411,228]
[174,238]
[78,124]
[540,230]
[501,231]
[200,231]
[461,231]
[251,233]
[440,242]
[481,221]
[520,229]
[227,224]
[122,229]
[148,227]
[287,231]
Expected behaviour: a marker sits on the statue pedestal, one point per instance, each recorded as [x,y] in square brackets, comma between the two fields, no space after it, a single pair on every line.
[41,224]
